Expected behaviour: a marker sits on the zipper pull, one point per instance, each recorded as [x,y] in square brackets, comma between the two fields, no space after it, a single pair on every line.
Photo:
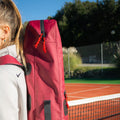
[44,47]
[39,39]
[43,40]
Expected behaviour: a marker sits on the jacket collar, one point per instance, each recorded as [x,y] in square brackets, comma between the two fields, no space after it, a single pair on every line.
[10,50]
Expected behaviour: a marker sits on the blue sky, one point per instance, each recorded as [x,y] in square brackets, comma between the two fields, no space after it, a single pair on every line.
[39,9]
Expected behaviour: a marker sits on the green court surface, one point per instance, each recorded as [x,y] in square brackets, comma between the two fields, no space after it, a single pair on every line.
[94,81]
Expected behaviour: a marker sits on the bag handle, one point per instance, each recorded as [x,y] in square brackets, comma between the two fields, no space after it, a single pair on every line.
[41,36]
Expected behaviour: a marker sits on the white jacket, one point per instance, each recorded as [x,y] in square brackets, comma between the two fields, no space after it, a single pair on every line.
[13,105]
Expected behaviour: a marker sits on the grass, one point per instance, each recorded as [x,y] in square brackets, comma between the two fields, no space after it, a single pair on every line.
[94,81]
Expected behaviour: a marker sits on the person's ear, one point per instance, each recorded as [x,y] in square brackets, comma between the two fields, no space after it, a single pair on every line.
[6,32]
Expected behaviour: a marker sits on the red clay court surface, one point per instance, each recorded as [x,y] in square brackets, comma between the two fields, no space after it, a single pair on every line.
[77,91]
[100,110]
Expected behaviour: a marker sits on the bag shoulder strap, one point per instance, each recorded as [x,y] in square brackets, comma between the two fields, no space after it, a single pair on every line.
[9,60]
[42,27]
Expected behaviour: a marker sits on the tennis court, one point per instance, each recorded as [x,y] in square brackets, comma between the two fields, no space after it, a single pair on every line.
[93,101]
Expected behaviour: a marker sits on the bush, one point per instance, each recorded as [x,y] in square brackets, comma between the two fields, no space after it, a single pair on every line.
[117,61]
[117,56]
[86,72]
[96,72]
[75,60]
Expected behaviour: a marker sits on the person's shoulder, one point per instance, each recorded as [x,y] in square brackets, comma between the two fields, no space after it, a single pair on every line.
[10,71]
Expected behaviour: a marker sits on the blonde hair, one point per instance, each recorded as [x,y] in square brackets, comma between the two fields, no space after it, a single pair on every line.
[10,14]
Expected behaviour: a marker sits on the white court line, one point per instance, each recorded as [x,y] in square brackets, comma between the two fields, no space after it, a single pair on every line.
[74,85]
[89,90]
[75,97]
[93,99]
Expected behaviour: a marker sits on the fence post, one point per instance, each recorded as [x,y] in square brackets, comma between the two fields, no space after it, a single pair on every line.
[102,56]
[68,63]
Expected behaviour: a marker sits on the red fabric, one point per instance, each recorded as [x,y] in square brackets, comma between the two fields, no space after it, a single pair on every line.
[39,39]
[44,47]
[7,59]
[43,40]
[46,80]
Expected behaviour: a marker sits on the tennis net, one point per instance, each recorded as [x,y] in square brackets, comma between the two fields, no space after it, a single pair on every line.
[96,108]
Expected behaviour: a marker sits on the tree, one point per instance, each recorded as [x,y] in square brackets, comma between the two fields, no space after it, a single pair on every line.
[84,23]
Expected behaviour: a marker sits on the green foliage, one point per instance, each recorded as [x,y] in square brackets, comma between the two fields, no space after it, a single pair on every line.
[83,23]
[75,60]
[88,71]
[49,17]
[25,24]
[117,56]
[65,60]
[96,72]
[24,27]
[22,34]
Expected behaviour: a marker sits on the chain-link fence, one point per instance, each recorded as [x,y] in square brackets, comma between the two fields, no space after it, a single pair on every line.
[96,56]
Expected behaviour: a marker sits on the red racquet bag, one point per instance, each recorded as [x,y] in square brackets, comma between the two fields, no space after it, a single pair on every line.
[45,72]
[45,76]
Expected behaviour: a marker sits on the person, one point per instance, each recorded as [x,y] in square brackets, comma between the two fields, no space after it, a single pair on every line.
[12,80]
